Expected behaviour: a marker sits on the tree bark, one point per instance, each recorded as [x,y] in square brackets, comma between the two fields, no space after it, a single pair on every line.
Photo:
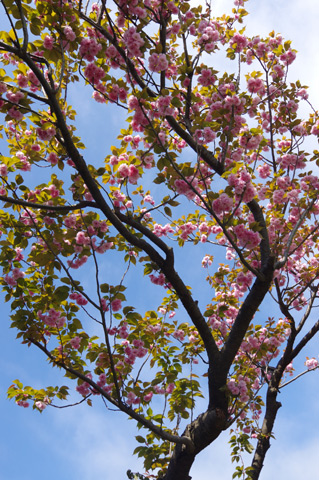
[272,407]
[202,431]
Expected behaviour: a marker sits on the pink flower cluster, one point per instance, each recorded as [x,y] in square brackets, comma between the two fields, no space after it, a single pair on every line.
[12,279]
[179,335]
[89,48]
[134,350]
[206,77]
[160,230]
[48,42]
[187,229]
[128,171]
[23,403]
[207,135]
[139,119]
[239,387]
[157,62]
[159,280]
[79,299]
[52,318]
[223,204]
[292,161]
[69,33]
[256,85]
[14,97]
[207,261]
[93,73]
[40,405]
[47,134]
[244,189]
[75,342]
[116,305]
[264,171]
[184,188]
[240,41]
[77,262]
[132,399]
[133,42]
[311,363]
[246,238]
[84,388]
[208,35]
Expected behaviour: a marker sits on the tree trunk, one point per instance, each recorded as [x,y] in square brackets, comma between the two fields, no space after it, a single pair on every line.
[202,431]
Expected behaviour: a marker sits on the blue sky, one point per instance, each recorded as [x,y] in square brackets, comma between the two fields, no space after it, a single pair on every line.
[86,443]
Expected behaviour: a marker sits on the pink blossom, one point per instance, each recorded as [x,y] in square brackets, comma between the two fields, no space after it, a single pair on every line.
[264,170]
[132,398]
[133,174]
[14,97]
[157,62]
[89,48]
[123,170]
[103,247]
[77,263]
[255,85]
[48,42]
[84,389]
[240,41]
[311,363]
[68,32]
[22,80]
[22,403]
[160,230]
[3,88]
[170,387]
[82,239]
[159,390]
[80,300]
[116,305]
[247,238]
[16,114]
[52,318]
[75,342]
[160,280]
[148,397]
[133,42]
[46,134]
[179,335]
[206,77]
[3,170]
[33,79]
[40,405]
[222,204]
[54,192]
[207,261]
[53,158]
[94,73]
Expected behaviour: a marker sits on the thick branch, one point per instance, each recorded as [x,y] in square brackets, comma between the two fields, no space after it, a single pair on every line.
[51,208]
[303,342]
[246,314]
[128,220]
[202,432]
[24,26]
[272,407]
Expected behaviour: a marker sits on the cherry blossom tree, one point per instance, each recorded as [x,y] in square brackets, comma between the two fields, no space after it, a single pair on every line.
[208,163]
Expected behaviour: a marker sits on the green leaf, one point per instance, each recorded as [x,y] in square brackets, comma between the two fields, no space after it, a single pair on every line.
[61,293]
[168,211]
